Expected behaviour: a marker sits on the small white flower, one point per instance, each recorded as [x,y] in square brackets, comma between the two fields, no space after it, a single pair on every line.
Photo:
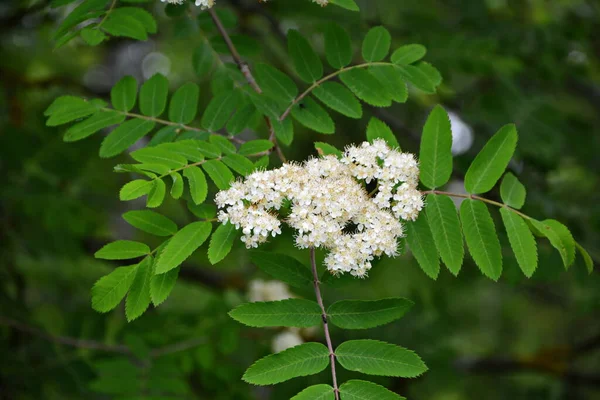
[205,3]
[327,195]
[260,290]
[285,340]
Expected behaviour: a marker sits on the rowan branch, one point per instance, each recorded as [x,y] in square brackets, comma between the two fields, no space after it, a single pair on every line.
[245,69]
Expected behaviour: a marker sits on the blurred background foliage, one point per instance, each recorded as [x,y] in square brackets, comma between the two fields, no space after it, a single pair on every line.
[534,62]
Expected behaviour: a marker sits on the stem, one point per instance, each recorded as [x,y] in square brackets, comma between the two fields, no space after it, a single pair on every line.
[169,123]
[316,282]
[474,197]
[324,79]
[99,346]
[112,5]
[245,69]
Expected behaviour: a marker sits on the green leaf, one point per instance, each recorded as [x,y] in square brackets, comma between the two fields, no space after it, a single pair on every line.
[445,227]
[223,143]
[262,163]
[68,108]
[138,298]
[376,44]
[84,11]
[109,290]
[284,131]
[310,114]
[159,169]
[151,222]
[221,242]
[197,182]
[124,136]
[363,390]
[92,36]
[182,245]
[134,189]
[379,358]
[363,314]
[176,186]
[338,98]
[560,238]
[241,119]
[122,250]
[512,191]
[164,135]
[98,121]
[203,211]
[161,286]
[141,15]
[377,129]
[160,156]
[305,359]
[316,392]
[219,110]
[283,268]
[124,24]
[239,164]
[153,95]
[184,104]
[275,83]
[209,150]
[124,94]
[432,74]
[418,77]
[219,173]
[408,54]
[435,156]
[255,146]
[366,87]
[291,312]
[347,4]
[306,62]
[203,59]
[338,46]
[492,160]
[265,105]
[391,79]
[589,263]
[157,194]
[481,237]
[422,245]
[521,240]
[326,149]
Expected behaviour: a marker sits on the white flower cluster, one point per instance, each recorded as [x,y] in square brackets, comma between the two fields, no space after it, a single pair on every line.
[327,195]
[260,290]
[209,3]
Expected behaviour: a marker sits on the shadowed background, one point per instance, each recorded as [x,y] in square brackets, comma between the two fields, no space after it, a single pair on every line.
[535,63]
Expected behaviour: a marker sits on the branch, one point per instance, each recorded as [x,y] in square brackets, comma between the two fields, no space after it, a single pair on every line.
[169,123]
[474,197]
[64,340]
[316,282]
[324,79]
[94,345]
[245,69]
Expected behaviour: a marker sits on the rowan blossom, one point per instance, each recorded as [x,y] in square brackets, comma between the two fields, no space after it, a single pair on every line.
[329,205]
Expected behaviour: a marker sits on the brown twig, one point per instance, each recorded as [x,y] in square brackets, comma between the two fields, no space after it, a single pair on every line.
[474,197]
[245,69]
[316,283]
[64,340]
[94,345]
